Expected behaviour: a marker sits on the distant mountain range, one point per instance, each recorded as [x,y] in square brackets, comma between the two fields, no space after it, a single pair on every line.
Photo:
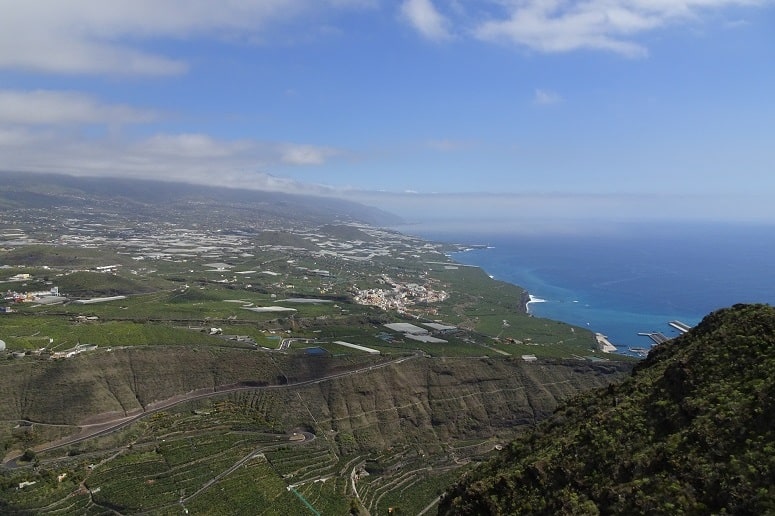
[34,190]
[691,432]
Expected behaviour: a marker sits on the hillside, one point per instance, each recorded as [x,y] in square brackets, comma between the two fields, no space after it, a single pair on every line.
[155,199]
[691,432]
[413,424]
[70,392]
[161,354]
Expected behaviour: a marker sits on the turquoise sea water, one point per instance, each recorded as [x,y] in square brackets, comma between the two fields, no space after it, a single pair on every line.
[627,282]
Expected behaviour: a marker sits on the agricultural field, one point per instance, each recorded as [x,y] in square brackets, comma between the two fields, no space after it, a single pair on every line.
[225,363]
[215,459]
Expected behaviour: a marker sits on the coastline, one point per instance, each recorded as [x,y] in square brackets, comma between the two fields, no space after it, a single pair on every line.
[563,305]
[622,284]
[603,344]
[531,299]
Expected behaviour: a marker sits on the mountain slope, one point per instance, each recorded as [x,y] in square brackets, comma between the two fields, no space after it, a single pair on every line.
[157,197]
[691,432]
[497,393]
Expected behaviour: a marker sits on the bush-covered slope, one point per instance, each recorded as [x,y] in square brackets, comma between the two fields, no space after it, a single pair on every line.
[691,432]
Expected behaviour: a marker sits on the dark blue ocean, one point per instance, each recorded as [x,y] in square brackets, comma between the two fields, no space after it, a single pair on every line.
[632,280]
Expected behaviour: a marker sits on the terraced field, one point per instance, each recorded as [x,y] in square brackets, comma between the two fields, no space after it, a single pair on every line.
[182,363]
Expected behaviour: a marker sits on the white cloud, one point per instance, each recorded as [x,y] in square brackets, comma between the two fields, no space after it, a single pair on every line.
[611,25]
[16,137]
[195,158]
[39,132]
[192,146]
[46,107]
[736,24]
[202,159]
[117,37]
[101,37]
[426,19]
[546,97]
[305,154]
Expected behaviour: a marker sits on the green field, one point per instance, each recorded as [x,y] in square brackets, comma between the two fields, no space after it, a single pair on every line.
[390,430]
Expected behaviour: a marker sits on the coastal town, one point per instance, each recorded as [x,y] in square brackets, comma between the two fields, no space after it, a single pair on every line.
[400,296]
[96,260]
[231,325]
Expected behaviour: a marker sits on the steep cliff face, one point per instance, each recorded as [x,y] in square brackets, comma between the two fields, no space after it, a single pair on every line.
[690,432]
[371,406]
[434,401]
[128,380]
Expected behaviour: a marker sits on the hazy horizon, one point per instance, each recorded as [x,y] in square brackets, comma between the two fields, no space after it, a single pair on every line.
[550,115]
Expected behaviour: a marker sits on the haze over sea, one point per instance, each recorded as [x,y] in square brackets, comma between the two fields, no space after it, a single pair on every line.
[620,283]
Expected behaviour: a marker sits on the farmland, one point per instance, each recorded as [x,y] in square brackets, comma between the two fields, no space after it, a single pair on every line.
[197,364]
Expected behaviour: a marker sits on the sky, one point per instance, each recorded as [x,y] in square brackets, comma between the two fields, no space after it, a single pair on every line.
[497,113]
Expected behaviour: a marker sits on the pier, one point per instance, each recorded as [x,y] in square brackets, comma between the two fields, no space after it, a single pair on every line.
[659,337]
[656,336]
[681,327]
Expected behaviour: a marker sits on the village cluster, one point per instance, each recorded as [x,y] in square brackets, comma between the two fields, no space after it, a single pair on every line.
[50,296]
[400,296]
[332,259]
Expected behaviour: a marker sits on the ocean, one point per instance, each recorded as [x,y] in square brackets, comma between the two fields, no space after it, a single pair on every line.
[630,281]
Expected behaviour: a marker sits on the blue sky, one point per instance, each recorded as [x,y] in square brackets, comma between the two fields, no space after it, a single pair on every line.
[540,113]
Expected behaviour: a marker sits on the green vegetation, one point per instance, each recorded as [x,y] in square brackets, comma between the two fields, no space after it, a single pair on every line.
[163,304]
[61,256]
[415,420]
[60,334]
[690,433]
[173,370]
[417,490]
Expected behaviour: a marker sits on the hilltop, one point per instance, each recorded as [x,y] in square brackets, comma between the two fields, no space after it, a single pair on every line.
[689,433]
